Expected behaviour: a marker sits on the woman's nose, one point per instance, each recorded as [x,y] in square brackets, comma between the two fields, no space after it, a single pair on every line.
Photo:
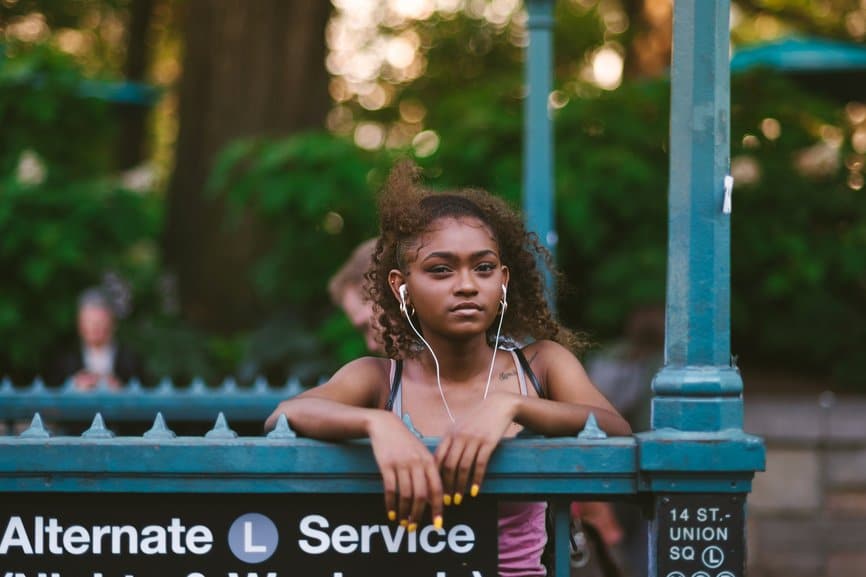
[466,283]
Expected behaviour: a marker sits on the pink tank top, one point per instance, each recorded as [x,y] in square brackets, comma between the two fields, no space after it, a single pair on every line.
[522,529]
[522,537]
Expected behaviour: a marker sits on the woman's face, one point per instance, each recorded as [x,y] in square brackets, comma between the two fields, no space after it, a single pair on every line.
[455,278]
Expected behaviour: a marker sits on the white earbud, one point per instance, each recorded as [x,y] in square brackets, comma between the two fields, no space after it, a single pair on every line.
[504,300]
[402,290]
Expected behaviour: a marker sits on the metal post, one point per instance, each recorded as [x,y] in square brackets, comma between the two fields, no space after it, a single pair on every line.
[698,389]
[696,462]
[538,141]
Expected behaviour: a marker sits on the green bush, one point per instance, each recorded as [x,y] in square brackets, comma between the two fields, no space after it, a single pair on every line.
[64,224]
[42,110]
[55,241]
[798,239]
[610,178]
[314,194]
[798,236]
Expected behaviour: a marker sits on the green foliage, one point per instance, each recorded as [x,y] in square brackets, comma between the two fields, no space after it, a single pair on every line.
[41,110]
[799,234]
[314,195]
[64,224]
[798,240]
[611,195]
[56,241]
[611,172]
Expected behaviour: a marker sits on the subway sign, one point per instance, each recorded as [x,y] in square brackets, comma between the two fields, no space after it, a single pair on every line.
[232,535]
[700,535]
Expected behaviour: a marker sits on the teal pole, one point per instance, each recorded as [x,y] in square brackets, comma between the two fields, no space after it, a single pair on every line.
[698,389]
[697,407]
[538,141]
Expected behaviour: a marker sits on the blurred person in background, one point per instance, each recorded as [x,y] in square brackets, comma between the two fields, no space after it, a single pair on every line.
[346,289]
[623,372]
[100,360]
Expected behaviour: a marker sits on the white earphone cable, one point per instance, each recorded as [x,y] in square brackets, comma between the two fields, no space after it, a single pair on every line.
[436,361]
[495,348]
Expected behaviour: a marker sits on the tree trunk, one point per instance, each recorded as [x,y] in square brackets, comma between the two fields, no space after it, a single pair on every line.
[250,69]
[133,117]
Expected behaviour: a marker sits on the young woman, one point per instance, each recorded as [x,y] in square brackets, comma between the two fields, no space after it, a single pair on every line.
[453,272]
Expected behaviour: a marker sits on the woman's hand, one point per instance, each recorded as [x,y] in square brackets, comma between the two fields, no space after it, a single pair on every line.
[465,449]
[408,469]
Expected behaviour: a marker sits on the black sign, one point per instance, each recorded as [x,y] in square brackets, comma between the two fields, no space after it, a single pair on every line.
[179,535]
[700,535]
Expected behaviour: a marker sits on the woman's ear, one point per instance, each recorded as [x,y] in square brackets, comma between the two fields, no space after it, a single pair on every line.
[395,281]
[506,274]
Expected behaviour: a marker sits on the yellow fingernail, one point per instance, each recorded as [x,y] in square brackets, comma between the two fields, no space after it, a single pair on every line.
[474,490]
[437,521]
[446,498]
[403,522]
[412,527]
[392,515]
[458,498]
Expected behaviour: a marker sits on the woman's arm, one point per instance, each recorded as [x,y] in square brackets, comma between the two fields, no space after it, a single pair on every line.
[571,396]
[349,406]
[341,407]
[466,449]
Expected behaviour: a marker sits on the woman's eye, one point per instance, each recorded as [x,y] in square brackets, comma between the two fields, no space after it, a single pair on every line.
[439,269]
[486,267]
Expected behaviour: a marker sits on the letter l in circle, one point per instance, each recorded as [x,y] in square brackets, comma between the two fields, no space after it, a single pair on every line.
[248,540]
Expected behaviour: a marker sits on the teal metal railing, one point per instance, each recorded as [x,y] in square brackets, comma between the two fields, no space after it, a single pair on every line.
[196,402]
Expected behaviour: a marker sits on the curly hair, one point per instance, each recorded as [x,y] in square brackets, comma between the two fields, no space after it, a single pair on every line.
[407,209]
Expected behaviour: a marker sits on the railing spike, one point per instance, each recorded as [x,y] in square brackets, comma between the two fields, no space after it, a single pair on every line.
[293,386]
[38,385]
[133,385]
[159,430]
[407,420]
[229,385]
[98,429]
[591,430]
[282,430]
[198,386]
[260,385]
[69,384]
[165,386]
[36,430]
[221,429]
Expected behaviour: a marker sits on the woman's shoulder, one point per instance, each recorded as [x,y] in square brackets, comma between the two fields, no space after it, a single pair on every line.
[544,349]
[364,381]
[545,356]
[373,367]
